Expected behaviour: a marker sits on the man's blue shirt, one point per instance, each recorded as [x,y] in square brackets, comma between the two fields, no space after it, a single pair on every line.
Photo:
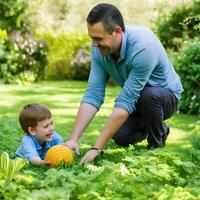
[142,61]
[30,147]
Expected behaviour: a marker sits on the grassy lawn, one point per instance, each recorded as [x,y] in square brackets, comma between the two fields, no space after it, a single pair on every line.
[172,172]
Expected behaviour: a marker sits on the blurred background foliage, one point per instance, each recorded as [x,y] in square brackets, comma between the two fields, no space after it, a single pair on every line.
[46,39]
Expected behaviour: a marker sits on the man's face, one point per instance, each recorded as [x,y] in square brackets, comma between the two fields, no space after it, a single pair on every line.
[43,131]
[106,42]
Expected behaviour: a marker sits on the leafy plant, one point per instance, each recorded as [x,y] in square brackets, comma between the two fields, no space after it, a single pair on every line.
[176,26]
[12,15]
[9,167]
[3,37]
[81,64]
[3,56]
[62,49]
[187,65]
[24,59]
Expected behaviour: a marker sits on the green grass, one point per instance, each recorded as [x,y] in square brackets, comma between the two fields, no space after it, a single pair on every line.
[121,173]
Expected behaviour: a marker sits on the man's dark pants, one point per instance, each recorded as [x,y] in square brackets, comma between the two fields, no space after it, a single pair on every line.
[155,105]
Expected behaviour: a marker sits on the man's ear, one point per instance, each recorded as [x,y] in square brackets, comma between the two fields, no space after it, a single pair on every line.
[31,130]
[118,29]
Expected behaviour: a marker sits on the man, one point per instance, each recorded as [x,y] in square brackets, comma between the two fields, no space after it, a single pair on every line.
[134,57]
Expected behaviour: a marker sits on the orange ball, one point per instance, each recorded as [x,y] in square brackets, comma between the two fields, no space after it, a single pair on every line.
[57,154]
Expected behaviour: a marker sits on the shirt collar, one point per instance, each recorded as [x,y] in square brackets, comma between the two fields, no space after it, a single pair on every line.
[37,144]
[123,47]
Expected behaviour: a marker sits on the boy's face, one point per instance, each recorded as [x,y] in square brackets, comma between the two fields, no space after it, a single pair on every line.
[43,131]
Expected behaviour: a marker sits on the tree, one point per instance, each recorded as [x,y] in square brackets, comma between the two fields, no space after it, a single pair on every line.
[13,15]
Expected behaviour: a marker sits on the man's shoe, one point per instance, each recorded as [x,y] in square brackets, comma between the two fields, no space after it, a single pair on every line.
[164,138]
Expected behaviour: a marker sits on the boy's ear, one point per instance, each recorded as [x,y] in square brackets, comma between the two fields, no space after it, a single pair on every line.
[31,130]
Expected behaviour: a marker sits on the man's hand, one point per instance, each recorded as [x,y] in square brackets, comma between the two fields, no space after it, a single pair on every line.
[73,145]
[89,156]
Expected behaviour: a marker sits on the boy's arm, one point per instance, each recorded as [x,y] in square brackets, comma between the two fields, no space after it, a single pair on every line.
[28,151]
[37,161]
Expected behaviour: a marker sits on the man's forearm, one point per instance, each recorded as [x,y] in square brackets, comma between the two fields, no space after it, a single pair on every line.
[117,118]
[85,115]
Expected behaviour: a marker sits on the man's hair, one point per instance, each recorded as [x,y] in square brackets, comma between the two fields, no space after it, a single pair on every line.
[31,114]
[108,14]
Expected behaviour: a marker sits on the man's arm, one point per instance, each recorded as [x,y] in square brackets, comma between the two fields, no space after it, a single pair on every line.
[142,66]
[85,115]
[117,118]
[91,101]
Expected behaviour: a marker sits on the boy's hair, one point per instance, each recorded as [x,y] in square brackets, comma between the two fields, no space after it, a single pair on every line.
[108,14]
[31,114]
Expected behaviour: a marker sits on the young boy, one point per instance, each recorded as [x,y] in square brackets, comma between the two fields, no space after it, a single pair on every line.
[35,120]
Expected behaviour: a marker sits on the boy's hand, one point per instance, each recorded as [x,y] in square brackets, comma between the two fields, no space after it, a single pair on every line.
[45,162]
[73,146]
[37,161]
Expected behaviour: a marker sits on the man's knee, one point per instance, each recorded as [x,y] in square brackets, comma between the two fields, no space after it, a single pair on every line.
[120,140]
[147,95]
[124,139]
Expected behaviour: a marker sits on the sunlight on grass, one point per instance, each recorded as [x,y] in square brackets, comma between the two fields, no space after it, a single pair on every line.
[12,102]
[105,111]
[176,135]
[177,141]
[5,98]
[67,98]
[65,111]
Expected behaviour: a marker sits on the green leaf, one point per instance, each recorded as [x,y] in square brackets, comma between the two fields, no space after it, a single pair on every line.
[10,167]
[11,171]
[4,162]
[19,163]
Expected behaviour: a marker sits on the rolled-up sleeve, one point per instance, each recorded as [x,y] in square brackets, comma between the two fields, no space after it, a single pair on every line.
[142,65]
[27,149]
[98,78]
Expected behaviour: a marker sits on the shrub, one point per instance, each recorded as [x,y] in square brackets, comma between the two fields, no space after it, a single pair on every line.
[193,22]
[12,15]
[3,56]
[81,64]
[178,25]
[188,67]
[27,54]
[3,36]
[62,49]
[24,59]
